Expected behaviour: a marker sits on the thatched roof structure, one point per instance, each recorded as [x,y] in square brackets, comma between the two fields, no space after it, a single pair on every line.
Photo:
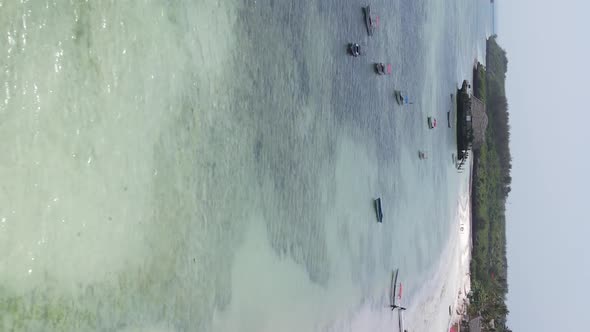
[479,121]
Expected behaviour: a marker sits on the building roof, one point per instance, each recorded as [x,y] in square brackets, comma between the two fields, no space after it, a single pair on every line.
[475,324]
[479,120]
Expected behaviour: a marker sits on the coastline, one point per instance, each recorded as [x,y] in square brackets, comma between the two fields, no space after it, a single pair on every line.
[450,281]
[447,286]
[458,308]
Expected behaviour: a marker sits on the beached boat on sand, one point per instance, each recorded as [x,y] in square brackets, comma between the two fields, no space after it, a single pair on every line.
[402,323]
[396,291]
[397,302]
[395,299]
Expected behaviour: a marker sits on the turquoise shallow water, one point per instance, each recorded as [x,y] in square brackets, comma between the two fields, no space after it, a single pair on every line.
[211,166]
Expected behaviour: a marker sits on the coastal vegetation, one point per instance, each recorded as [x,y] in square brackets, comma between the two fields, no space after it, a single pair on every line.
[491,186]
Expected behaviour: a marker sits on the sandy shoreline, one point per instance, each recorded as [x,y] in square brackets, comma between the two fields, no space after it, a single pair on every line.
[466,245]
[440,302]
[447,286]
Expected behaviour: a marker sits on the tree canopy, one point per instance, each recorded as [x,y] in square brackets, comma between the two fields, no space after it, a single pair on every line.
[491,186]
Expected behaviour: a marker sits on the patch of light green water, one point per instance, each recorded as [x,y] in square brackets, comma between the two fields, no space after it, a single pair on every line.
[112,193]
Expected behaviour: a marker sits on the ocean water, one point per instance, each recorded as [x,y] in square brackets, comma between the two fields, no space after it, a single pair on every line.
[210,166]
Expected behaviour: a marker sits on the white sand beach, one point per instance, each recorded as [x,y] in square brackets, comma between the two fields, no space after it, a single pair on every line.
[450,284]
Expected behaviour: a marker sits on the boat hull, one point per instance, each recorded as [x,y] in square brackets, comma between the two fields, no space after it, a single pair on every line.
[368,22]
[378,210]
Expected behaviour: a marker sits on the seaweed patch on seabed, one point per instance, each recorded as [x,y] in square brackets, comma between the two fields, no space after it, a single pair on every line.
[293,210]
[293,176]
[290,147]
[290,173]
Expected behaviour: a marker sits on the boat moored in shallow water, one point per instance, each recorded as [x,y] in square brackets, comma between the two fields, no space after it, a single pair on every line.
[401,97]
[370,22]
[378,210]
[382,69]
[354,49]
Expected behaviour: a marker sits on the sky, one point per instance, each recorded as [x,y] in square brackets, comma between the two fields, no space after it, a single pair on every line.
[548,226]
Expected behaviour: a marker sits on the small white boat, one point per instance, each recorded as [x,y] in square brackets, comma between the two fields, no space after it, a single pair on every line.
[402,324]
[449,119]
